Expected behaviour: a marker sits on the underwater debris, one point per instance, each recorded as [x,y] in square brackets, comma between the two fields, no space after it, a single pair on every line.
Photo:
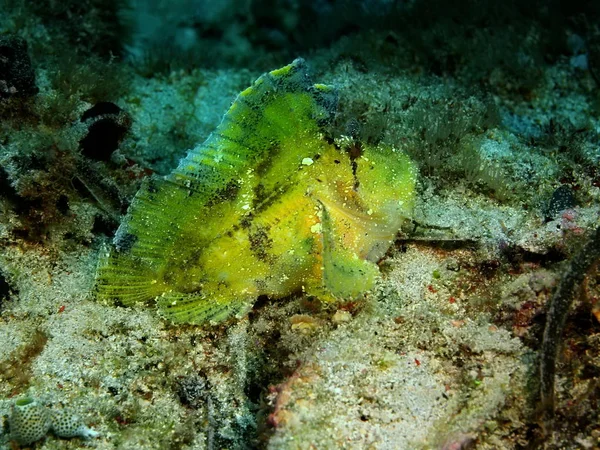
[562,198]
[192,391]
[48,169]
[17,78]
[29,421]
[65,424]
[90,180]
[558,309]
[108,124]
[266,205]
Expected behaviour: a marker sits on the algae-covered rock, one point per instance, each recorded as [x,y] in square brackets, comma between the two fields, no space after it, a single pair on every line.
[17,78]
[392,378]
[349,335]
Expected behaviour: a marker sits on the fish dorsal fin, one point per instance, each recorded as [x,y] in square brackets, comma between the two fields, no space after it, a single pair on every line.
[280,105]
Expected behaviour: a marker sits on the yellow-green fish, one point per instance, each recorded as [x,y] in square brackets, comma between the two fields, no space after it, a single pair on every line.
[265,206]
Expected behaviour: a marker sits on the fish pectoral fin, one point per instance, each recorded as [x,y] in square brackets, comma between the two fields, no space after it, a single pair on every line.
[201,308]
[345,274]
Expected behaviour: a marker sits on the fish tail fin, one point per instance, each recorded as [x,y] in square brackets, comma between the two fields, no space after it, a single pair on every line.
[121,279]
[200,308]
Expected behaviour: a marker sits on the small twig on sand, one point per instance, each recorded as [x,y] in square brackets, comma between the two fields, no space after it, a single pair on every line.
[558,309]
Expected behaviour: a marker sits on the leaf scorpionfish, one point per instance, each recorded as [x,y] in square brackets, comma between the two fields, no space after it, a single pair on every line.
[265,206]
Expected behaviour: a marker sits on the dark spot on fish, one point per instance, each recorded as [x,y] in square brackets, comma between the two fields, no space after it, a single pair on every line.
[259,194]
[246,220]
[263,166]
[263,200]
[354,169]
[260,243]
[228,193]
[354,150]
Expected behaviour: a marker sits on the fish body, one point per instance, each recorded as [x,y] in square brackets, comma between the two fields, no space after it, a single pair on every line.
[265,206]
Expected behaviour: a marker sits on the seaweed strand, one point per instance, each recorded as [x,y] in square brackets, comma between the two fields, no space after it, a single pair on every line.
[558,309]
